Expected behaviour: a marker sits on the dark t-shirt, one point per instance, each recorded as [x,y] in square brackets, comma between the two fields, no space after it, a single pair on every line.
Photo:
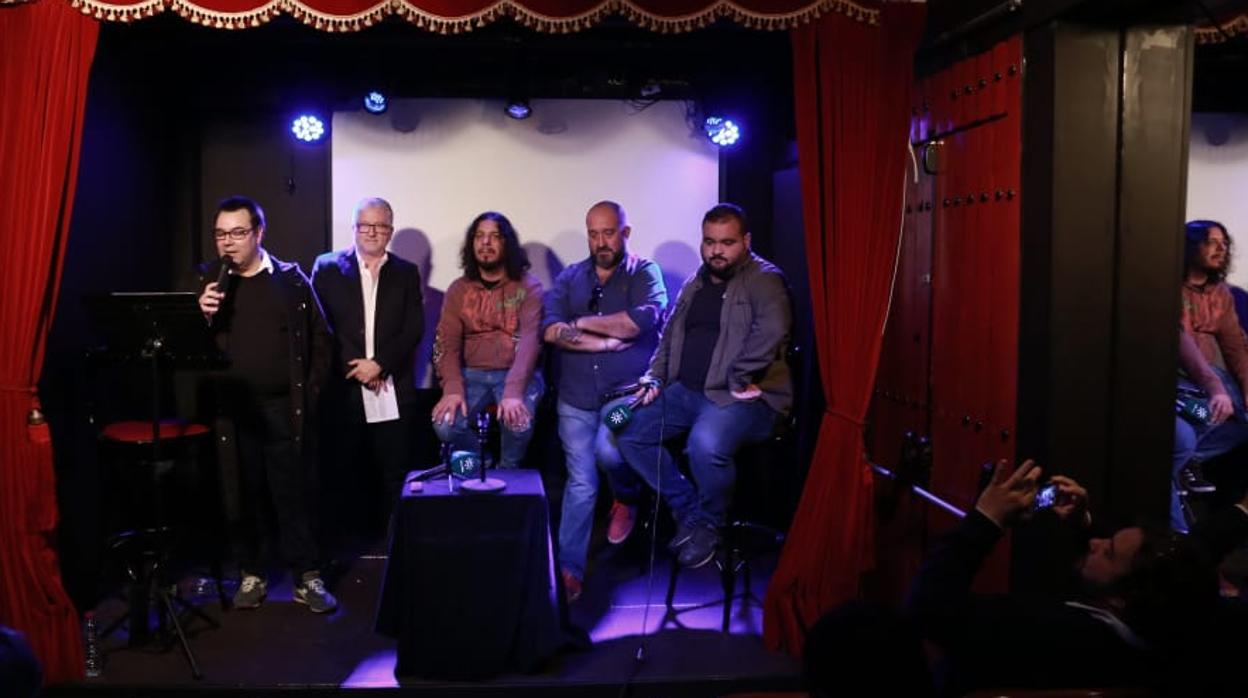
[701,334]
[258,345]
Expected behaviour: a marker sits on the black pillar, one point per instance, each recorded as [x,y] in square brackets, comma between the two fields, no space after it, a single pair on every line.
[1106,116]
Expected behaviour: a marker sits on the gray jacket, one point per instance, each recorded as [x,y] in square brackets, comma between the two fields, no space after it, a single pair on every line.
[754,327]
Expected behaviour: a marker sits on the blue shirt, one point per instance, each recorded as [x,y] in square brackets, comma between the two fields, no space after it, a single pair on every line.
[635,287]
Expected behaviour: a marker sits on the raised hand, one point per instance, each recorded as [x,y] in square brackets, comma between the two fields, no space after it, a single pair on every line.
[1072,498]
[1010,493]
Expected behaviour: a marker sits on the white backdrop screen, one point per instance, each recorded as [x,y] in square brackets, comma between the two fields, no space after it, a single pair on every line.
[440,162]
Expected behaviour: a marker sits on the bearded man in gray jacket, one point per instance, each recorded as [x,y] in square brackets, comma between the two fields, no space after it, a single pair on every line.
[718,375]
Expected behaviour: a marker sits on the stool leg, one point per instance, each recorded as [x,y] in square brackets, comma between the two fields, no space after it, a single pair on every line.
[177,627]
[139,594]
[670,615]
[746,594]
[727,578]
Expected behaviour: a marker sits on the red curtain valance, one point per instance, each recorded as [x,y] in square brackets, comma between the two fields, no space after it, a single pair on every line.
[1225,30]
[455,16]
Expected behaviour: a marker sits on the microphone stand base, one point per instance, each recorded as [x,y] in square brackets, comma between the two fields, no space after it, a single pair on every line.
[488,485]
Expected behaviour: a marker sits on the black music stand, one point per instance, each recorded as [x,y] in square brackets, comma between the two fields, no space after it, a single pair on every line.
[164,330]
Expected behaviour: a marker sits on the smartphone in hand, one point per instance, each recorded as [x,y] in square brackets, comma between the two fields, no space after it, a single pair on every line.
[1046,497]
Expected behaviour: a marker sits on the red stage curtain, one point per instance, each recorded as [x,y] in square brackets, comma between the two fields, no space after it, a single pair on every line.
[48,47]
[852,83]
[454,16]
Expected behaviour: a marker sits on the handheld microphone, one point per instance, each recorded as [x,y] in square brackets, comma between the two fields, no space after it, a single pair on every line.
[629,389]
[227,263]
[622,391]
[619,416]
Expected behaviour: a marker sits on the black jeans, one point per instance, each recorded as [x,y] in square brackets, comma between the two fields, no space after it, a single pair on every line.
[268,455]
[387,447]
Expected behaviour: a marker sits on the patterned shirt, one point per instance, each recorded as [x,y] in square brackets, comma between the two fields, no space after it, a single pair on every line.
[491,329]
[1209,316]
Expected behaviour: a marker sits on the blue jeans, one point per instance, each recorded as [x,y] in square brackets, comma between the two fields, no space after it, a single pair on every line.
[482,388]
[1204,442]
[588,445]
[715,435]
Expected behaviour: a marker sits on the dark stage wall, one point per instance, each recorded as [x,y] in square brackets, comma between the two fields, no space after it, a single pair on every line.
[173,124]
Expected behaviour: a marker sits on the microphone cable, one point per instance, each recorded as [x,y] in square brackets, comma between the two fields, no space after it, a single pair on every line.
[639,655]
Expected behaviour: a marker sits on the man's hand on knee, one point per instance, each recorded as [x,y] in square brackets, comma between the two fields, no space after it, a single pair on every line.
[513,414]
[448,408]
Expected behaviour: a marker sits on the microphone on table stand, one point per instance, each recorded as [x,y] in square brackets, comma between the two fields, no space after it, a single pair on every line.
[484,484]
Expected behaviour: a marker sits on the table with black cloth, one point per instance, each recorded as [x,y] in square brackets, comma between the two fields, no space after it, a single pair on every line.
[469,591]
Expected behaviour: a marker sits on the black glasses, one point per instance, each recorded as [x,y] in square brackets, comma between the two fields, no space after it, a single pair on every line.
[595,297]
[235,234]
[373,228]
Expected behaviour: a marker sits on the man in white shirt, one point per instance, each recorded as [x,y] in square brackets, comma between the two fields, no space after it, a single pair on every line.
[372,303]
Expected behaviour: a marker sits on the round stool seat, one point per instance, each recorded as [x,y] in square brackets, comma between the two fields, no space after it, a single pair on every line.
[140,432]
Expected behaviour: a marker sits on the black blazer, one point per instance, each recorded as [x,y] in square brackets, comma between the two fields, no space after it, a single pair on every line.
[398,324]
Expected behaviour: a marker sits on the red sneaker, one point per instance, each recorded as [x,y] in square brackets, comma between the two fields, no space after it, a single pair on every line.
[620,522]
[571,584]
[1227,588]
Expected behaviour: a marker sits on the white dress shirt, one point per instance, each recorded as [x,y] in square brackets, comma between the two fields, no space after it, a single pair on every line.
[383,405]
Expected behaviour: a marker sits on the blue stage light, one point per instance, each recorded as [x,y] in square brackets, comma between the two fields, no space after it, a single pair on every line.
[722,132]
[375,102]
[308,128]
[519,109]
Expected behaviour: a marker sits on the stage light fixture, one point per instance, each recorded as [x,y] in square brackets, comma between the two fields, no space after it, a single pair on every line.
[722,132]
[375,102]
[308,128]
[519,109]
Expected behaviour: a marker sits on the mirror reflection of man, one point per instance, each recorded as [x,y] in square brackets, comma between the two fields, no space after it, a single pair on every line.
[1210,321]
[266,319]
[603,314]
[372,302]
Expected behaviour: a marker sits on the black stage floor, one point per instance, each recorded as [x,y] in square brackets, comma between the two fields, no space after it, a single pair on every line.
[283,648]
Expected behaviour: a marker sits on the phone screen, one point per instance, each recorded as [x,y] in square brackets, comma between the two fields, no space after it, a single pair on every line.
[1046,497]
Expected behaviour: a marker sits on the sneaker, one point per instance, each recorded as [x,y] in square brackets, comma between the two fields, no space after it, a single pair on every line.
[571,585]
[700,548]
[620,522]
[251,592]
[1192,479]
[313,593]
[682,535]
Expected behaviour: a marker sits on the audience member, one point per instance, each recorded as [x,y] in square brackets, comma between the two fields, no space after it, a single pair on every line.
[1142,604]
[863,649]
